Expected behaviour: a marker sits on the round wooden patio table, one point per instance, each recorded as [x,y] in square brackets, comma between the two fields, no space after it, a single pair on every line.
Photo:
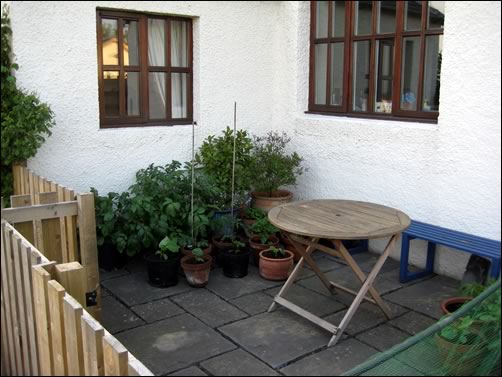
[306,222]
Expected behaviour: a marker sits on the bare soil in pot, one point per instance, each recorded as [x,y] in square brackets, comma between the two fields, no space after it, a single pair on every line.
[256,245]
[196,273]
[266,201]
[276,268]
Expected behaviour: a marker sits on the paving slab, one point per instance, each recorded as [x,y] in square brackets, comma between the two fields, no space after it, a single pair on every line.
[208,307]
[254,303]
[425,297]
[412,322]
[314,302]
[157,310]
[232,288]
[191,371]
[333,361]
[116,317]
[326,263]
[345,277]
[174,343]
[105,275]
[278,337]
[367,316]
[383,337]
[237,363]
[134,289]
[366,262]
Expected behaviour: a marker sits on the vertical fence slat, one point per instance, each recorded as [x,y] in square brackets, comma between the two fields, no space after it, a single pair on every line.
[21,304]
[136,367]
[56,293]
[72,277]
[6,371]
[115,357]
[51,231]
[71,229]
[62,224]
[25,228]
[40,279]
[26,178]
[92,335]
[31,180]
[15,177]
[7,303]
[26,261]
[74,350]
[89,249]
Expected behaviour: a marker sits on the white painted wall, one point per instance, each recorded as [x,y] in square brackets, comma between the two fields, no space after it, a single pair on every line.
[257,54]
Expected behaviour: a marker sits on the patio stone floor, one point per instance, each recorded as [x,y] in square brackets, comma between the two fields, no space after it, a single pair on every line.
[224,329]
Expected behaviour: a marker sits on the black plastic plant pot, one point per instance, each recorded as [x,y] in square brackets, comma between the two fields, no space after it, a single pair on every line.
[162,273]
[109,258]
[235,265]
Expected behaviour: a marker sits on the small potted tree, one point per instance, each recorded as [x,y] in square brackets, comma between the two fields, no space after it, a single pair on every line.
[273,168]
[276,263]
[235,260]
[263,237]
[197,267]
[162,265]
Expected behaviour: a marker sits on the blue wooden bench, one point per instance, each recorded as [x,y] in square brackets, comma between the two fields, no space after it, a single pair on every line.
[436,235]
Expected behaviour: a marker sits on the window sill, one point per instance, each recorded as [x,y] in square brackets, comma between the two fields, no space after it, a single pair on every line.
[375,117]
[170,123]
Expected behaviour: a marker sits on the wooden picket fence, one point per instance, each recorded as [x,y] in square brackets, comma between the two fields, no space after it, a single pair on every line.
[60,223]
[45,329]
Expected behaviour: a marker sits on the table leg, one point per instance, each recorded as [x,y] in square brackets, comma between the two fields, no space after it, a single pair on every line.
[293,275]
[362,292]
[362,277]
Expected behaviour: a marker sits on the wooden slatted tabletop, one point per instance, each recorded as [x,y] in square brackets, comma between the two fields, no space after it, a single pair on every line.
[339,219]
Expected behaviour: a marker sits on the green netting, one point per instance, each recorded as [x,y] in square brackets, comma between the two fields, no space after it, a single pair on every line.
[466,343]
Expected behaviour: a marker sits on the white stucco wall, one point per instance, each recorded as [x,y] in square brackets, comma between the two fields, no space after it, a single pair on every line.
[257,54]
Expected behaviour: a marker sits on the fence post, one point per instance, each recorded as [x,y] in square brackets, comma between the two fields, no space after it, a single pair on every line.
[89,253]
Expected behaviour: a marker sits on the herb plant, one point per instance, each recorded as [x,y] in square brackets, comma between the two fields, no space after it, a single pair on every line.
[277,252]
[169,248]
[255,213]
[263,229]
[273,167]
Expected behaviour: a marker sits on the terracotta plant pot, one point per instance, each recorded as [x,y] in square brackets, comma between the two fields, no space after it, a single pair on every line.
[197,274]
[275,268]
[452,304]
[257,246]
[452,353]
[286,241]
[221,245]
[265,202]
[187,251]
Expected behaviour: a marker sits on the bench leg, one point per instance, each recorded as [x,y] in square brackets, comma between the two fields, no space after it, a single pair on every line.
[404,275]
[431,255]
[405,256]
[495,268]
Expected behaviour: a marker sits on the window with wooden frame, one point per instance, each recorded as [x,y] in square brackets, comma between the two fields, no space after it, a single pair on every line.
[376,59]
[145,69]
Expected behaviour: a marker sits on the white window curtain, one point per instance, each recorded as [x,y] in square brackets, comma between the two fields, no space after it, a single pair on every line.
[156,57]
[179,58]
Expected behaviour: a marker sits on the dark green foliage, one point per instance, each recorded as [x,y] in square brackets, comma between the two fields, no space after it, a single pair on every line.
[215,158]
[263,229]
[272,166]
[255,213]
[25,120]
[169,248]
[277,252]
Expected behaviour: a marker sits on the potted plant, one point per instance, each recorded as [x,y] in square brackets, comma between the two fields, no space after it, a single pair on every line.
[215,159]
[466,293]
[276,263]
[197,267]
[162,265]
[108,232]
[262,238]
[235,260]
[250,215]
[272,168]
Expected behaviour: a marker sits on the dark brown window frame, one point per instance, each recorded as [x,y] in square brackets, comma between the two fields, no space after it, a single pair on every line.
[143,68]
[348,39]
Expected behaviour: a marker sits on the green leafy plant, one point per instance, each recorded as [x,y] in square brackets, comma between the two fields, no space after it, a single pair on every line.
[277,252]
[237,246]
[198,255]
[272,166]
[459,331]
[471,289]
[255,213]
[215,158]
[264,229]
[169,247]
[25,120]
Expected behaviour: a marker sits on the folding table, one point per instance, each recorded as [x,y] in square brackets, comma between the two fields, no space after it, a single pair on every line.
[307,222]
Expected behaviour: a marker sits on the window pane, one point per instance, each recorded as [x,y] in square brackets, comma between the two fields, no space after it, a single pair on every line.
[336,73]
[179,44]
[410,69]
[110,42]
[386,17]
[157,95]
[131,54]
[338,18]
[384,56]
[361,76]
[435,15]
[179,95]
[156,42]
[322,19]
[412,15]
[363,17]
[321,60]
[132,93]
[432,72]
[111,90]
